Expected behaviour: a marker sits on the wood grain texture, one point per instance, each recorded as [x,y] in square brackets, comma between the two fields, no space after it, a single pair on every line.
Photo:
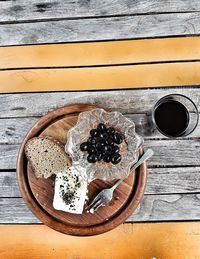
[12,130]
[173,180]
[174,152]
[18,214]
[8,185]
[183,152]
[168,207]
[37,9]
[8,156]
[164,180]
[100,53]
[99,78]
[172,241]
[123,27]
[136,101]
[180,240]
[155,208]
[184,181]
[160,181]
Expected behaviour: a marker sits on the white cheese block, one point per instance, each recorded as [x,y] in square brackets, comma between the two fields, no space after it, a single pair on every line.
[70,191]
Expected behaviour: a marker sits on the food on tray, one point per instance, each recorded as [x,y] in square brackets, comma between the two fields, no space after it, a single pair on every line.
[70,191]
[103,145]
[46,156]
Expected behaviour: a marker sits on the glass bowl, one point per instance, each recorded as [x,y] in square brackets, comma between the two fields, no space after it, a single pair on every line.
[129,148]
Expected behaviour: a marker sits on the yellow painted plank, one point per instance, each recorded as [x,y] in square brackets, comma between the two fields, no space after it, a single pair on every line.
[141,241]
[114,52]
[114,77]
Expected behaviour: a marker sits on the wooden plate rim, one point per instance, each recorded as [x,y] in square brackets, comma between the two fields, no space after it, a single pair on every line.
[46,218]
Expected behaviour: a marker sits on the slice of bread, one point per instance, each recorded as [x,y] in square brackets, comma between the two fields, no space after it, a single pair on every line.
[46,156]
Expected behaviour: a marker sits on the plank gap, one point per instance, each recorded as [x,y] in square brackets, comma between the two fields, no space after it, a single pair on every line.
[190,35]
[103,65]
[53,19]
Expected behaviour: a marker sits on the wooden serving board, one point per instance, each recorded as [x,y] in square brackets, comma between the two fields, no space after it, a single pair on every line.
[38,193]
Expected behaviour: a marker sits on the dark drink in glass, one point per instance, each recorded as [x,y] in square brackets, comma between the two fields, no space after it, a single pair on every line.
[175,115]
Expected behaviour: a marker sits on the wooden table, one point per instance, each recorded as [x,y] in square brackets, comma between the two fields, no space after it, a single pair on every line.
[173,189]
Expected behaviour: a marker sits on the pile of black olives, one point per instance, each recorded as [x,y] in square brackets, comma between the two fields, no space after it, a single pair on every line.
[103,145]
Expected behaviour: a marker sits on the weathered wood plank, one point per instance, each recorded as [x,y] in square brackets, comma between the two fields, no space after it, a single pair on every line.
[174,152]
[167,208]
[13,130]
[125,101]
[14,210]
[8,185]
[173,180]
[167,152]
[100,53]
[125,27]
[37,9]
[160,181]
[8,156]
[152,208]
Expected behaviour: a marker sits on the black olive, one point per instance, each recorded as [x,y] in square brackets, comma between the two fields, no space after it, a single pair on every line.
[103,136]
[101,127]
[106,149]
[94,132]
[116,159]
[117,138]
[107,158]
[92,158]
[111,131]
[110,141]
[84,146]
[92,140]
[105,141]
[92,150]
[99,145]
[99,156]
[115,149]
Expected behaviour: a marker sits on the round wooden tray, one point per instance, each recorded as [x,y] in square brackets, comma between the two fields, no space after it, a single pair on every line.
[38,193]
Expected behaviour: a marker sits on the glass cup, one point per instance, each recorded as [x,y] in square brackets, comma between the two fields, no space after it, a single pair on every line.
[174,115]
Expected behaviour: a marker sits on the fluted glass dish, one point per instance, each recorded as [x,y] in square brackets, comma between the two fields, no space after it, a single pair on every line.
[129,148]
